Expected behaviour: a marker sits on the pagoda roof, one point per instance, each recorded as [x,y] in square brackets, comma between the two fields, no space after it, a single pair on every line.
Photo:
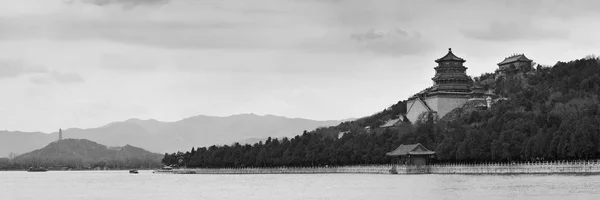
[450,57]
[410,149]
[515,58]
[451,76]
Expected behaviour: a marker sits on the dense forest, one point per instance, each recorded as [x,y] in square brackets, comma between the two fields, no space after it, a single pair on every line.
[550,113]
[309,149]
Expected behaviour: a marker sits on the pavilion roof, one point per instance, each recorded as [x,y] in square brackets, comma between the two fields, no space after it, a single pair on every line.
[515,58]
[410,149]
[450,57]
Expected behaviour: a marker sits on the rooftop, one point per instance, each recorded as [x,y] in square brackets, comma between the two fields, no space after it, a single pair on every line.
[410,149]
[450,57]
[515,58]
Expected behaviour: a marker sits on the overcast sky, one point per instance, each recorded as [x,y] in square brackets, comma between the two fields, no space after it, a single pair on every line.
[85,63]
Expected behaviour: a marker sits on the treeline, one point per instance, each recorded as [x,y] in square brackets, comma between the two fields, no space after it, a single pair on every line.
[79,164]
[308,149]
[551,113]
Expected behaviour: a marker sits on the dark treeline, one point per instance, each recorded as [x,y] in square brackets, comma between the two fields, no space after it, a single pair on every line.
[551,113]
[79,164]
[309,149]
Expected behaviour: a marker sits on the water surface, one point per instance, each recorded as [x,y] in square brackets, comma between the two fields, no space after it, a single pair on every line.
[145,185]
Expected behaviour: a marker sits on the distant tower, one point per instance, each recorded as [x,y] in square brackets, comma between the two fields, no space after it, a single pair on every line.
[452,88]
[59,134]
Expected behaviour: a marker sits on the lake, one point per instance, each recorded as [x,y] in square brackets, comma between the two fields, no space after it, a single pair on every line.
[145,185]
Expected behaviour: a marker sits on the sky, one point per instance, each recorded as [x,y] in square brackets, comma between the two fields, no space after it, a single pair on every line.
[86,63]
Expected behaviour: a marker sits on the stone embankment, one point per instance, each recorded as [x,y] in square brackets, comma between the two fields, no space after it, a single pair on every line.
[361,169]
[582,167]
[557,167]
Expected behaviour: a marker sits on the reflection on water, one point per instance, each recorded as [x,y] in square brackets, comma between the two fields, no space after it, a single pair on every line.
[145,185]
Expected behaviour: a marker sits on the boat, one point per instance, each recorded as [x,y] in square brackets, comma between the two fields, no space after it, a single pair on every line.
[165,169]
[38,169]
[133,171]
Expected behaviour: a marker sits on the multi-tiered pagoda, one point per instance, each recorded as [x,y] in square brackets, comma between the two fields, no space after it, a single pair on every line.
[450,75]
[452,87]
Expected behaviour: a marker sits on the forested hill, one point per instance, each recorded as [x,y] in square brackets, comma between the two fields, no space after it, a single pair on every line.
[552,113]
[82,154]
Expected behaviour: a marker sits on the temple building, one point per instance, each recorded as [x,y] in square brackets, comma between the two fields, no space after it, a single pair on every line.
[516,62]
[452,88]
[411,154]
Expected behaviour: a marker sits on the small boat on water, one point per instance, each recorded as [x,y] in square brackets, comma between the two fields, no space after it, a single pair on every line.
[37,169]
[165,169]
[133,171]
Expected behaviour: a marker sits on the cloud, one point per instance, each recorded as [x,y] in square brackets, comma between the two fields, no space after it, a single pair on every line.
[125,3]
[364,14]
[56,77]
[184,34]
[329,1]
[123,62]
[512,31]
[61,77]
[554,8]
[40,75]
[394,42]
[16,68]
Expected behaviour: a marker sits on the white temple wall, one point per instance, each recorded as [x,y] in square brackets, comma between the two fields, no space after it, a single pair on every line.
[447,104]
[414,108]
[441,105]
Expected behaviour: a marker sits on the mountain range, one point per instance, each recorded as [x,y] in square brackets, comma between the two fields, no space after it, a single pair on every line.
[158,136]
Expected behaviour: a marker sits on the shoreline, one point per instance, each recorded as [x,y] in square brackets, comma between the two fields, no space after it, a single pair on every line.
[547,168]
[57,170]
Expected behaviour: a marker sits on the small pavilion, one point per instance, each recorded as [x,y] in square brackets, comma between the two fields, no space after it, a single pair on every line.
[411,154]
[515,63]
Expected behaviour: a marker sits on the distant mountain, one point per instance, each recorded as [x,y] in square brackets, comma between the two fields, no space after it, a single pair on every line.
[20,142]
[162,137]
[82,153]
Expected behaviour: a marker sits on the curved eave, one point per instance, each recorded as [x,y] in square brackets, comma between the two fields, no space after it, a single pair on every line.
[450,78]
[450,59]
[450,67]
[411,153]
[422,153]
[505,63]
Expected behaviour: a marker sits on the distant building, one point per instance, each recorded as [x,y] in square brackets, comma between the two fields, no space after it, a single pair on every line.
[411,154]
[514,63]
[391,123]
[60,134]
[452,88]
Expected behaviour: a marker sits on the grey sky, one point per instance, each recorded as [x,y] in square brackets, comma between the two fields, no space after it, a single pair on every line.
[84,63]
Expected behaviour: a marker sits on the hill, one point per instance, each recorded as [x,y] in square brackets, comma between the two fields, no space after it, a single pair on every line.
[550,113]
[160,136]
[82,153]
